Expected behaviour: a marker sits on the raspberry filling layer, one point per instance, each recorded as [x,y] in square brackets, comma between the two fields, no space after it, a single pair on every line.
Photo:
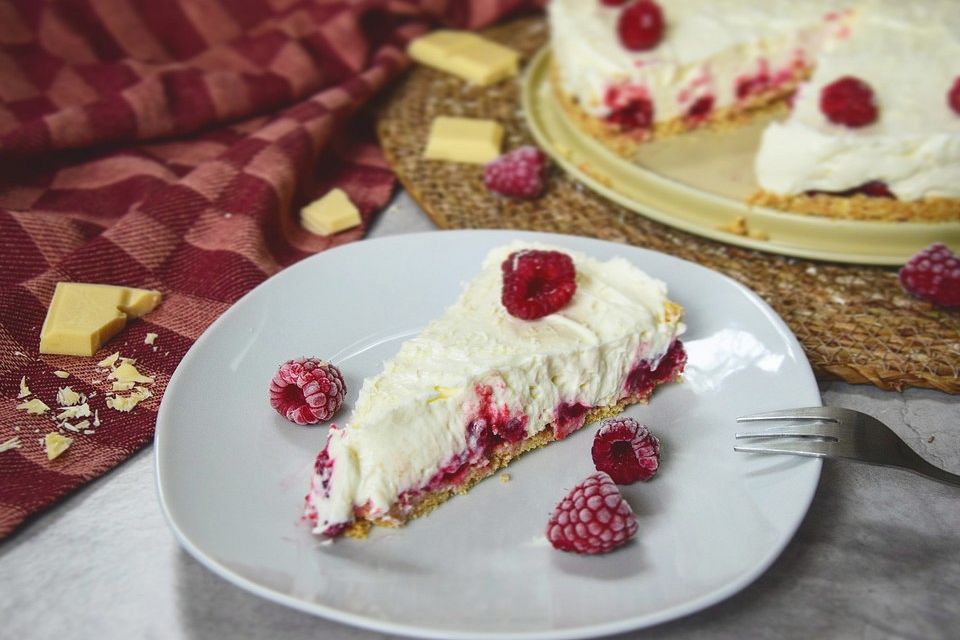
[495,429]
[872,189]
[630,108]
[646,375]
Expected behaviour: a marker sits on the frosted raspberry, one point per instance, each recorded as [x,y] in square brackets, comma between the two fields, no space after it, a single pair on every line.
[593,518]
[307,390]
[537,283]
[626,450]
[518,174]
[641,25]
[848,101]
[953,96]
[933,274]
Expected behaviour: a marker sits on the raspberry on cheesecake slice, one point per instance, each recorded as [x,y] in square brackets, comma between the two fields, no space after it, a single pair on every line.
[540,343]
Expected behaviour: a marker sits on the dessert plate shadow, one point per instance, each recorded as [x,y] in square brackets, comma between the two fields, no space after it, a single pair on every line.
[699,183]
[232,474]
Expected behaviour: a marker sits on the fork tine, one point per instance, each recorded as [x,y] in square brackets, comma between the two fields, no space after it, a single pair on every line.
[805,413]
[810,448]
[816,430]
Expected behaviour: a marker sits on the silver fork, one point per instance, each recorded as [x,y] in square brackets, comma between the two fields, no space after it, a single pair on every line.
[829,432]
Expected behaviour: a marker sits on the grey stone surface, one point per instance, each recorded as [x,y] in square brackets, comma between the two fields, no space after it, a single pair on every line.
[878,555]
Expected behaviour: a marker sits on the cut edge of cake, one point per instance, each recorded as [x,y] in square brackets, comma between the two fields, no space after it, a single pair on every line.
[427,502]
[627,143]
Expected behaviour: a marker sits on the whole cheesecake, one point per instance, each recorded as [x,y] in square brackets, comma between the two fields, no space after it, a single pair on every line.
[478,387]
[715,63]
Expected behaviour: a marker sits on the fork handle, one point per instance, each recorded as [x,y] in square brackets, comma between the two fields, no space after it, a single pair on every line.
[924,468]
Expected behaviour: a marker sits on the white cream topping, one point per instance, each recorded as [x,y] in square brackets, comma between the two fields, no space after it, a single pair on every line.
[411,419]
[908,53]
[708,46]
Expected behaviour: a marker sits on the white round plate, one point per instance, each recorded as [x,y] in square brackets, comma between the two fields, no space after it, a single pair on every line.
[232,473]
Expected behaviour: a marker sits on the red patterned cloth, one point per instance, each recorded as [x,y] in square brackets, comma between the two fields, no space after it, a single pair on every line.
[169,145]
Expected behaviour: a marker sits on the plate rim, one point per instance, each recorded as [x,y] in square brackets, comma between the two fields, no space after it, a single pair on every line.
[403,629]
[533,81]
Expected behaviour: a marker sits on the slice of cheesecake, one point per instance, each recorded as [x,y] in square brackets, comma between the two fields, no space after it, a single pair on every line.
[478,387]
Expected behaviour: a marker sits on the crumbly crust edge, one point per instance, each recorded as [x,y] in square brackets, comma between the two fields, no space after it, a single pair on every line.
[860,207]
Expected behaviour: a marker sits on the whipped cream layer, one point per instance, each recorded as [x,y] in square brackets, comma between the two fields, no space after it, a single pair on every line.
[413,418]
[709,48]
[908,53]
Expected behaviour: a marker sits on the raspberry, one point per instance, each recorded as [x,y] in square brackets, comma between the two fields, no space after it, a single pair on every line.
[700,109]
[953,96]
[626,450]
[873,189]
[933,274]
[748,86]
[848,101]
[537,283]
[593,518]
[641,25]
[307,390]
[630,108]
[876,189]
[518,174]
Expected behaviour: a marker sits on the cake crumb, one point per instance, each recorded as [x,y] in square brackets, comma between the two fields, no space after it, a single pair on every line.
[597,175]
[12,443]
[24,389]
[61,373]
[150,338]
[504,478]
[739,227]
[931,439]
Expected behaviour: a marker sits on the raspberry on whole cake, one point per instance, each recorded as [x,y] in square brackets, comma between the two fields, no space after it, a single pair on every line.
[481,384]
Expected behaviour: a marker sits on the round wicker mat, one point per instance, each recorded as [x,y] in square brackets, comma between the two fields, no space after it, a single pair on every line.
[855,323]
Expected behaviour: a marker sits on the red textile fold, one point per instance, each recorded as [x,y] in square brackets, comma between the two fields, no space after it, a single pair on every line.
[169,145]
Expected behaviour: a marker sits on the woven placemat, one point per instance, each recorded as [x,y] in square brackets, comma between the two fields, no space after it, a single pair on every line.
[855,323]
